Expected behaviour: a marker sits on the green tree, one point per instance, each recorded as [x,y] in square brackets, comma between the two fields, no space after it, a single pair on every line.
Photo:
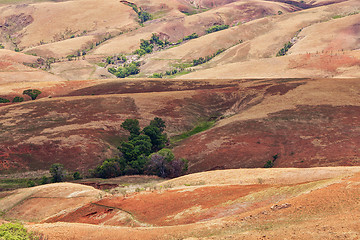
[58,172]
[4,100]
[132,125]
[44,180]
[33,93]
[158,139]
[18,99]
[77,176]
[159,123]
[108,169]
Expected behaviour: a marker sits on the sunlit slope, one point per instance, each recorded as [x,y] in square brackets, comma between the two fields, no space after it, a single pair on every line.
[35,24]
[258,39]
[306,204]
[179,27]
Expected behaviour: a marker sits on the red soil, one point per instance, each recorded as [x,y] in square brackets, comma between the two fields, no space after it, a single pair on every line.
[161,208]
[308,136]
[324,61]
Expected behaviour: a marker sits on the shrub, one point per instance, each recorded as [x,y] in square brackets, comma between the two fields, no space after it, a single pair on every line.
[156,75]
[163,164]
[108,169]
[33,93]
[77,176]
[202,60]
[4,100]
[44,180]
[15,231]
[18,99]
[58,172]
[192,36]
[144,16]
[285,49]
[30,183]
[270,163]
[216,28]
[1,46]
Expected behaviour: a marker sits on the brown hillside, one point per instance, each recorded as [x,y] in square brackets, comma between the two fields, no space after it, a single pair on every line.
[82,131]
[284,208]
[294,121]
[50,22]
[299,120]
[261,39]
[179,27]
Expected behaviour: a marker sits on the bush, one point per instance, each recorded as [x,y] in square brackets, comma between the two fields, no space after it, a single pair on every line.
[144,16]
[192,36]
[202,60]
[285,49]
[163,164]
[44,180]
[108,169]
[270,163]
[77,176]
[156,75]
[15,231]
[216,28]
[33,93]
[18,99]
[58,172]
[4,100]
[30,183]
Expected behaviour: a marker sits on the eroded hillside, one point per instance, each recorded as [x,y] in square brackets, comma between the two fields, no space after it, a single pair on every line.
[245,204]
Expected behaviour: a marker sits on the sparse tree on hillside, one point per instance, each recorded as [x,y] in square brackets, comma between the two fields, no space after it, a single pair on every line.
[57,171]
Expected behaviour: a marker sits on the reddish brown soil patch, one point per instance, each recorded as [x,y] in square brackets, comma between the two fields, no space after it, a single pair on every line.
[146,87]
[171,207]
[306,137]
[327,62]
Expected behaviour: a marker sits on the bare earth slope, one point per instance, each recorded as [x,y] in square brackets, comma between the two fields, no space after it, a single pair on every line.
[213,205]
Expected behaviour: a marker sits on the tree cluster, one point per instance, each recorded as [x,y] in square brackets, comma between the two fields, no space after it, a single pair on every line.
[216,28]
[202,60]
[33,93]
[143,153]
[285,49]
[192,36]
[126,70]
[147,46]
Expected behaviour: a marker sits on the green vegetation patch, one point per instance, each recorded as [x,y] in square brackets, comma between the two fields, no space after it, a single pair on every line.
[126,70]
[216,28]
[16,231]
[285,49]
[345,15]
[200,127]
